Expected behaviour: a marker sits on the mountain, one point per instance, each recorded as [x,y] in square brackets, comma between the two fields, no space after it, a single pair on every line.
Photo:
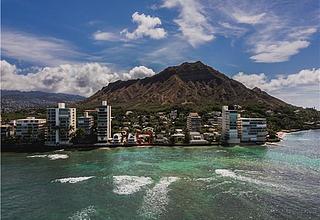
[195,85]
[12,100]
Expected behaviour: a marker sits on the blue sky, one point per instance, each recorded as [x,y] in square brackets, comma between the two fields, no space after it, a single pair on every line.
[79,46]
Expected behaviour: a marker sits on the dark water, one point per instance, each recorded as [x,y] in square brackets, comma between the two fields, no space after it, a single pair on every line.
[274,182]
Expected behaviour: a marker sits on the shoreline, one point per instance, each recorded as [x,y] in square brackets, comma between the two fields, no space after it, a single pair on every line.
[37,148]
[40,148]
[282,134]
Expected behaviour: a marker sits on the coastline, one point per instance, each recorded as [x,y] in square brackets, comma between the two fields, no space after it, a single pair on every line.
[282,134]
[35,148]
[41,148]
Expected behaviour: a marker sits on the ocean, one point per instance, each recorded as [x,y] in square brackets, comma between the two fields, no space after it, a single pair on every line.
[278,181]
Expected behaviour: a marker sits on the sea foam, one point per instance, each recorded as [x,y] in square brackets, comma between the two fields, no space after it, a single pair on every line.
[231,174]
[83,214]
[156,199]
[125,185]
[38,156]
[57,156]
[73,179]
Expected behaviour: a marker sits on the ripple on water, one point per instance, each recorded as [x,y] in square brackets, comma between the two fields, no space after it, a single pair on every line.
[125,185]
[156,199]
[83,214]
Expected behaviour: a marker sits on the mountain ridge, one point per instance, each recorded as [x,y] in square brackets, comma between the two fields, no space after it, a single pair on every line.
[194,83]
[12,100]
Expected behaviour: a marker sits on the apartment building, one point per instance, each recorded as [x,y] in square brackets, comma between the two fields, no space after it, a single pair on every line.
[193,122]
[31,129]
[229,125]
[104,122]
[61,124]
[253,130]
[86,123]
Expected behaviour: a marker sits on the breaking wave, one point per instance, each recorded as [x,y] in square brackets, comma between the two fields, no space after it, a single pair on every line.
[125,185]
[38,156]
[50,156]
[83,214]
[73,179]
[156,199]
[231,174]
[57,156]
[205,179]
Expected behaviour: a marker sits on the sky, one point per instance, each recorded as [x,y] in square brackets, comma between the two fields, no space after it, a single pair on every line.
[79,46]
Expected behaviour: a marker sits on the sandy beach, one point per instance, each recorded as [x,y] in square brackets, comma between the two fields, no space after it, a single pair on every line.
[281,134]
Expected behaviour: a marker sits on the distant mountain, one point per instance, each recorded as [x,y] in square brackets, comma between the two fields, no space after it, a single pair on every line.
[12,100]
[195,85]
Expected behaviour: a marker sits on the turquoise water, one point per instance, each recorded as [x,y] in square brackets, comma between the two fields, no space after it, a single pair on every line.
[271,182]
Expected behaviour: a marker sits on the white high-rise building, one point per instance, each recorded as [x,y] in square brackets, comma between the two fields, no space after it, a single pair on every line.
[253,130]
[229,126]
[30,129]
[104,122]
[61,124]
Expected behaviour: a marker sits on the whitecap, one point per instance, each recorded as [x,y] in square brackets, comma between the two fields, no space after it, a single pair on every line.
[226,173]
[156,199]
[83,214]
[125,185]
[223,151]
[73,179]
[57,156]
[38,156]
[231,174]
[205,179]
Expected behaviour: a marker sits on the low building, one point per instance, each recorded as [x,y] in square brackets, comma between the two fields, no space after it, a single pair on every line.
[253,130]
[197,139]
[31,129]
[61,125]
[161,139]
[7,131]
[117,139]
[132,140]
[178,137]
[193,122]
[86,123]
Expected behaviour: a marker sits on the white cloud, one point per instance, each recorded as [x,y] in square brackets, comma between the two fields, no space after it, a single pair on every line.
[244,18]
[251,80]
[304,77]
[302,88]
[105,36]
[139,72]
[230,30]
[302,32]
[279,51]
[38,50]
[147,27]
[277,39]
[274,32]
[192,21]
[81,79]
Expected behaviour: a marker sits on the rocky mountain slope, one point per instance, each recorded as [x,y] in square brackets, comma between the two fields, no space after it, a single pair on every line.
[190,84]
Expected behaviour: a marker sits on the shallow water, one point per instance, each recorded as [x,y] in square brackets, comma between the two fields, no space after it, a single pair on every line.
[274,182]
